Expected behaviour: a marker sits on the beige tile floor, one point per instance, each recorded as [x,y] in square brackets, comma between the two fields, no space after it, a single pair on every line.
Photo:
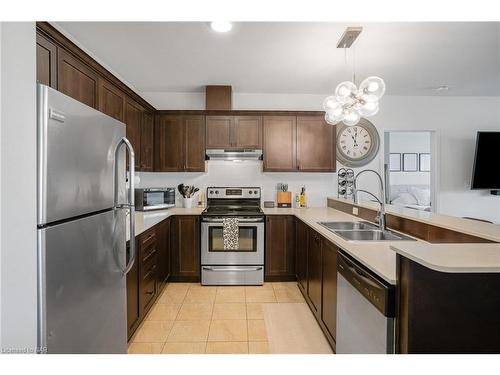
[192,319]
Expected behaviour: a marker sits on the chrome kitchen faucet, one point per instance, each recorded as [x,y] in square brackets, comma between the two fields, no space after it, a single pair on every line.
[381,215]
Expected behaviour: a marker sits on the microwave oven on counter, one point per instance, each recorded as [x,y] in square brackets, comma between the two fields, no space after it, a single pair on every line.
[148,199]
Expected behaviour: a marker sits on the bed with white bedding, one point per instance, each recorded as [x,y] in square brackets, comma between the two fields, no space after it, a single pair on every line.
[417,197]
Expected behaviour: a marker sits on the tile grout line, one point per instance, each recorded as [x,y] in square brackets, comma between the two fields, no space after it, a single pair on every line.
[211,320]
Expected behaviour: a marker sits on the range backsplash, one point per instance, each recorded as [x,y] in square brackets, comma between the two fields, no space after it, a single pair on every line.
[247,173]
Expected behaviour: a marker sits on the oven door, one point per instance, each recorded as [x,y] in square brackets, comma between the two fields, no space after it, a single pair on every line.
[251,243]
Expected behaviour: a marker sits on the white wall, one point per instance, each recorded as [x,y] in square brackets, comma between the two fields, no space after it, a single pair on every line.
[410,142]
[455,120]
[17,187]
[248,173]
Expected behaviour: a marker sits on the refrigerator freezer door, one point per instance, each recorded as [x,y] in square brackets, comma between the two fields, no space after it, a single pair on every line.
[82,287]
[76,156]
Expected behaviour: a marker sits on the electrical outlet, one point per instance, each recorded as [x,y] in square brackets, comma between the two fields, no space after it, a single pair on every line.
[355,211]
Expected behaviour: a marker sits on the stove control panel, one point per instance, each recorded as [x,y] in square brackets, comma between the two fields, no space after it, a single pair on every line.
[233,193]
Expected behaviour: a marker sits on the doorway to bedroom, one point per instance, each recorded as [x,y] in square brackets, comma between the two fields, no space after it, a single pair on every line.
[409,163]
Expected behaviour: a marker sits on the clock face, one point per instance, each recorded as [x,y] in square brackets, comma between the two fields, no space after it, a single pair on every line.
[357,145]
[355,142]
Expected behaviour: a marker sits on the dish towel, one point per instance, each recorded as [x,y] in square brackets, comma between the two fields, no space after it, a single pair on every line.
[230,233]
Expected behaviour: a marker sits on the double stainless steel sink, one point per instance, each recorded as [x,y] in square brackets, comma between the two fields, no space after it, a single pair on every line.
[362,231]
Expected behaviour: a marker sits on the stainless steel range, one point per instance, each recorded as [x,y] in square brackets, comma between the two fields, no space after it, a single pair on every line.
[243,265]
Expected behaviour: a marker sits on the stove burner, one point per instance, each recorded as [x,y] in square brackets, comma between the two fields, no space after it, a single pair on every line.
[226,204]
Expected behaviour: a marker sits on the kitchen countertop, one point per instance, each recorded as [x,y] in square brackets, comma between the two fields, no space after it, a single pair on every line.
[147,219]
[379,257]
[455,257]
[376,256]
[467,226]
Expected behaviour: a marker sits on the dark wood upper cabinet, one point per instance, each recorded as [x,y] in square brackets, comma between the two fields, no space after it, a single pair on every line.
[180,144]
[133,121]
[169,144]
[280,248]
[219,129]
[194,143]
[186,249]
[329,295]
[247,132]
[315,144]
[314,270]
[75,79]
[301,254]
[111,100]
[46,62]
[280,137]
[229,132]
[147,139]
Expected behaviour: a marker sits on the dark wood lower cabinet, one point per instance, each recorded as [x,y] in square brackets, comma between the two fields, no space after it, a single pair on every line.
[133,316]
[149,274]
[329,289]
[163,252]
[301,254]
[148,269]
[316,266]
[314,271]
[444,313]
[280,248]
[186,249]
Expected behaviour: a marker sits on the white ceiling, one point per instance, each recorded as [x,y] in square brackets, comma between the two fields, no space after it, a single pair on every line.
[286,57]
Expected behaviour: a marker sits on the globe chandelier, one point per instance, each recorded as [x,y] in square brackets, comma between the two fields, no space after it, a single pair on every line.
[349,102]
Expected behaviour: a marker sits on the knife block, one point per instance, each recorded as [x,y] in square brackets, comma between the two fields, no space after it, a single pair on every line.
[284,199]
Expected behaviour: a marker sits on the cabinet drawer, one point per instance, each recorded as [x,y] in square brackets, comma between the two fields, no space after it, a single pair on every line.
[149,253]
[148,287]
[147,239]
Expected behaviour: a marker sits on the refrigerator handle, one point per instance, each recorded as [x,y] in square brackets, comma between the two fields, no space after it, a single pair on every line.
[130,205]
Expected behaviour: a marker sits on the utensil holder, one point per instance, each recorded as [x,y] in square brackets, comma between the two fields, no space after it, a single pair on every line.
[187,202]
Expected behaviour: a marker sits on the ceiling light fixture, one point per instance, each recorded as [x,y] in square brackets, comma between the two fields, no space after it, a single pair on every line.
[349,103]
[221,26]
[441,88]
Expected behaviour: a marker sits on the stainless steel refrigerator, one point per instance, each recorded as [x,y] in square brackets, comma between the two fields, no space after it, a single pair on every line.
[83,200]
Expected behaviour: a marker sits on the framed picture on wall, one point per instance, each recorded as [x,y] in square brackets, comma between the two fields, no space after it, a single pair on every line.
[395,162]
[424,162]
[410,162]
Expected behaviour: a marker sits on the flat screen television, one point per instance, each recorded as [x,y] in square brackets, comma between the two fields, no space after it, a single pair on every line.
[486,170]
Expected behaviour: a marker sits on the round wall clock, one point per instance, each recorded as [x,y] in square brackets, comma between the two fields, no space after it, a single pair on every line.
[357,145]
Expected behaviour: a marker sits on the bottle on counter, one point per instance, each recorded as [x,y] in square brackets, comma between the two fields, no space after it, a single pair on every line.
[303,197]
[297,200]
[201,199]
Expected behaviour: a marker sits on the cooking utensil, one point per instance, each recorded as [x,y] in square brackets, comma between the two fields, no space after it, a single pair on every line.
[180,187]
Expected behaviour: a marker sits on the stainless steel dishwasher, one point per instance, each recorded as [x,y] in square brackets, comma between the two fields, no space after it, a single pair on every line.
[365,310]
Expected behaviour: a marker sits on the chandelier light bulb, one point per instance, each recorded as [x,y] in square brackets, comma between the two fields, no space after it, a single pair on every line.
[372,88]
[333,120]
[330,103]
[369,109]
[351,117]
[345,91]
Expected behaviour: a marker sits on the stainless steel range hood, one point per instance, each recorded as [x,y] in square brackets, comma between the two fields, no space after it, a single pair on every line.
[234,154]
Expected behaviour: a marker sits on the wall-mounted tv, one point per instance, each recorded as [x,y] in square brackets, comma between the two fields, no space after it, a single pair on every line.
[486,170]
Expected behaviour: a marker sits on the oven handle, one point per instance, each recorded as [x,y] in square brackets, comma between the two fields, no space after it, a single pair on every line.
[243,221]
[246,269]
